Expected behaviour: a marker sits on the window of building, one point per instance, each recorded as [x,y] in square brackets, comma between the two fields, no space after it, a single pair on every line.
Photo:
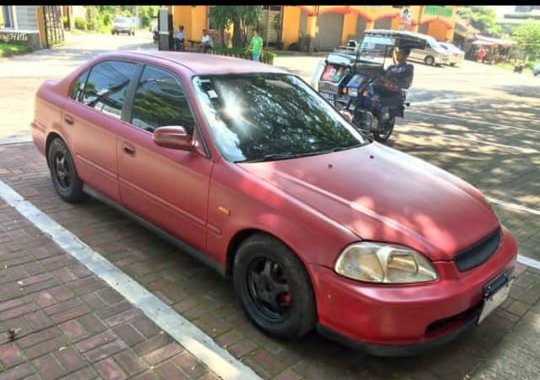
[8,19]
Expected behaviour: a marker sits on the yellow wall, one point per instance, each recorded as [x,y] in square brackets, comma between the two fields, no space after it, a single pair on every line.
[291,25]
[192,17]
[349,27]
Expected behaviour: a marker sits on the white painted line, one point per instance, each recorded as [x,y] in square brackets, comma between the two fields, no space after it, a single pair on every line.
[514,206]
[188,335]
[15,140]
[472,121]
[446,100]
[528,262]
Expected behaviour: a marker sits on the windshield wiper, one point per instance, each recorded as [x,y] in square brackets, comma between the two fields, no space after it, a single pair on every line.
[285,156]
[281,156]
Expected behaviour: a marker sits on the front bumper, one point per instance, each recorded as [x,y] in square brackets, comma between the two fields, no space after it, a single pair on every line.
[404,319]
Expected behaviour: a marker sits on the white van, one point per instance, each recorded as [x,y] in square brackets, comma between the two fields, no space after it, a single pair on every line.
[425,48]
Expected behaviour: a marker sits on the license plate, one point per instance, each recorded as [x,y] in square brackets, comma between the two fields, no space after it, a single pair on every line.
[492,301]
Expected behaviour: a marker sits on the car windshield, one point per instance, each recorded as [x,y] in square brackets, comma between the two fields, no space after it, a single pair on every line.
[121,20]
[264,117]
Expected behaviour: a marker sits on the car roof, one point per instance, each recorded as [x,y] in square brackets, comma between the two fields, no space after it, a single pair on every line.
[199,63]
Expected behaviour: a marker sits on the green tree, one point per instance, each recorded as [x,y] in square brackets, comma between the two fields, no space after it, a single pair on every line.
[482,18]
[91,17]
[240,16]
[527,39]
[220,20]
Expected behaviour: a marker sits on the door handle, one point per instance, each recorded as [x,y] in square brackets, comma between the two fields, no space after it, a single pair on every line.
[128,149]
[68,119]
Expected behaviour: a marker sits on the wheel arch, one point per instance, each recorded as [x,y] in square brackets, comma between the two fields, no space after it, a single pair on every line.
[241,236]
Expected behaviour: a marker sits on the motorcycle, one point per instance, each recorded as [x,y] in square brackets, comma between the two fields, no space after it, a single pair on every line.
[391,102]
[350,80]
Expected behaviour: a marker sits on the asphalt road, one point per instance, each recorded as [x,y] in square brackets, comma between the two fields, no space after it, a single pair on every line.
[476,121]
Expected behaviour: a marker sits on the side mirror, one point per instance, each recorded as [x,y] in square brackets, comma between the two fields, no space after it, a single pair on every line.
[174,137]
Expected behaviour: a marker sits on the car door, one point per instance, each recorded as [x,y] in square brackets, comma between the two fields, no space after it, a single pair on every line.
[168,187]
[91,125]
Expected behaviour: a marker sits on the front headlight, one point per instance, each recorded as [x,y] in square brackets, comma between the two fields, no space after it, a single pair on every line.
[384,263]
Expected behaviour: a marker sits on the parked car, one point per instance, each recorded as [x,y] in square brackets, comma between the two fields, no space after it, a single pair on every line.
[456,55]
[263,179]
[123,25]
[428,49]
[536,69]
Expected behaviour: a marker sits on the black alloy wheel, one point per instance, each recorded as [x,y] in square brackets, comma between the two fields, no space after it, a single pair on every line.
[65,179]
[384,131]
[274,288]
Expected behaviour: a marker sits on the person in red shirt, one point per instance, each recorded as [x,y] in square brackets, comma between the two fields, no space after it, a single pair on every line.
[480,54]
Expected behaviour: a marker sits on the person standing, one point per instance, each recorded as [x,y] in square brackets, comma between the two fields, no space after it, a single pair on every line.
[179,38]
[480,54]
[256,46]
[206,42]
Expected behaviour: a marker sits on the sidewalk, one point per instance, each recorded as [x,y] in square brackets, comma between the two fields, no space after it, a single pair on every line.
[517,357]
[70,324]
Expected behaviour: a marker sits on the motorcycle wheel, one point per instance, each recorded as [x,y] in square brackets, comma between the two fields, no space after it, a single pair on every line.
[386,132]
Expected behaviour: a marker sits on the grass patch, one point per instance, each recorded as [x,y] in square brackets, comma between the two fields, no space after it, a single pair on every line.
[7,50]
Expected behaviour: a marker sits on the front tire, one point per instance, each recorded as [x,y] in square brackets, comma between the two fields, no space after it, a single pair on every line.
[274,288]
[64,176]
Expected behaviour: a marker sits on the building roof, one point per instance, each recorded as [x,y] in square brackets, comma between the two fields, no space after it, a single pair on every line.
[482,40]
[463,28]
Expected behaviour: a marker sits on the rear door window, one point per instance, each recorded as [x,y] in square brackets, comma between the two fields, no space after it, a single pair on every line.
[107,85]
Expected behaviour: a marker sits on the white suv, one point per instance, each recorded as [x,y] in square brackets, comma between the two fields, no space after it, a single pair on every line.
[123,25]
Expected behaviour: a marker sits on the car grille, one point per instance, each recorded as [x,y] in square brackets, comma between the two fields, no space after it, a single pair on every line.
[478,253]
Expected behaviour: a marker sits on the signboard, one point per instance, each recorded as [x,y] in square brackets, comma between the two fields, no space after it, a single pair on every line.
[436,10]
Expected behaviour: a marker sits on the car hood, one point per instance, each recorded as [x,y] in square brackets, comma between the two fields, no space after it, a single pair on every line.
[381,194]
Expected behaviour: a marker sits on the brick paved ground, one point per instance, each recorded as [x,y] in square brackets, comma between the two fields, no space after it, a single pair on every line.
[73,324]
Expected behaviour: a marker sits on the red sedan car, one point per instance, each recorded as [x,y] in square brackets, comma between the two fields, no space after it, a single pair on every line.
[245,164]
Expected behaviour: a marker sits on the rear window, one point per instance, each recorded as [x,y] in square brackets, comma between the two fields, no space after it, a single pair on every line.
[121,20]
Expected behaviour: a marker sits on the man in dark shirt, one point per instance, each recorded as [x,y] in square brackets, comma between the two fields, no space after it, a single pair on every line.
[396,78]
[401,73]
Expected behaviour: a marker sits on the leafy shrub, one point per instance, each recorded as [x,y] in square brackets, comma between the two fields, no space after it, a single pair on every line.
[267,56]
[80,23]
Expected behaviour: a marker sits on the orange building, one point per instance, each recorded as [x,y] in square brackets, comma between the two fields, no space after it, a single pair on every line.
[326,27]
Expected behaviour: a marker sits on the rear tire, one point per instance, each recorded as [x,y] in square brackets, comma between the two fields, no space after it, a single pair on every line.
[383,136]
[274,288]
[64,175]
[429,60]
